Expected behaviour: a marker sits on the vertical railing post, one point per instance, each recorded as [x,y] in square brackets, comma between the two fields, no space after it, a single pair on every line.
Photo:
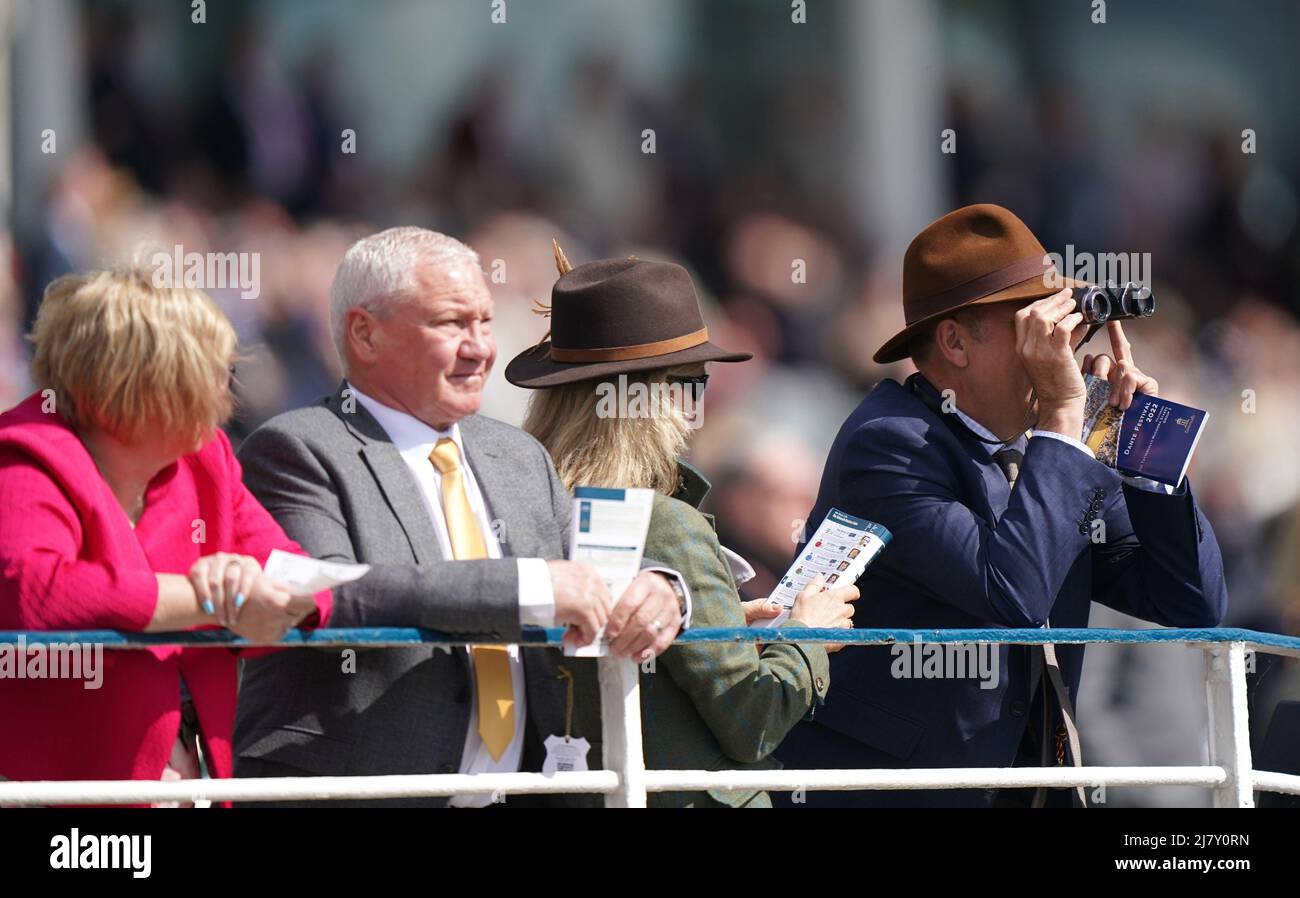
[1225,689]
[620,723]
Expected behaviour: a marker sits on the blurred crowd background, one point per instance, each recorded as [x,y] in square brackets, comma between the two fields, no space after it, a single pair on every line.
[773,141]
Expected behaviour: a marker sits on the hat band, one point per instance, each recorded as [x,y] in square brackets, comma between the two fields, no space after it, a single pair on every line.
[638,351]
[984,285]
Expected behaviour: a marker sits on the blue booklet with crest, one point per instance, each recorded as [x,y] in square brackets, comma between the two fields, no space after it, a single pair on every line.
[1153,438]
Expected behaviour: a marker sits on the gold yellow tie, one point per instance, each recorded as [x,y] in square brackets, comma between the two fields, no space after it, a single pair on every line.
[496,697]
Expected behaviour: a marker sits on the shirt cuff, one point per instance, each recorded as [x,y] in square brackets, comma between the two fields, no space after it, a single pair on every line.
[685,591]
[536,598]
[1078,444]
[1146,483]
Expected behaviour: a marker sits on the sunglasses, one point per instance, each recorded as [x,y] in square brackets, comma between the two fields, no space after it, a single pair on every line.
[697,380]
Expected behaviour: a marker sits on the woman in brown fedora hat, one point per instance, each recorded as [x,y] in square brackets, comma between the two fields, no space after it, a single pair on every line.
[624,326]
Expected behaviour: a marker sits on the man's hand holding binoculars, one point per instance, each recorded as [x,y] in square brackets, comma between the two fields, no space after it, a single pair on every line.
[1124,376]
[1047,334]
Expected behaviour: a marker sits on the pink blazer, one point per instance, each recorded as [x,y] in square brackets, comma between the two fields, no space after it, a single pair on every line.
[69,560]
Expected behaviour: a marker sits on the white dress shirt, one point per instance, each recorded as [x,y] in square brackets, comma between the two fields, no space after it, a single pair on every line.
[415,440]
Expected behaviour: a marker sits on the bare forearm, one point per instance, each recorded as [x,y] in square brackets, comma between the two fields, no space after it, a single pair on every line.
[178,606]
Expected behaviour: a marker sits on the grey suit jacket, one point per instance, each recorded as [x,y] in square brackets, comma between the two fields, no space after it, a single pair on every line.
[336,483]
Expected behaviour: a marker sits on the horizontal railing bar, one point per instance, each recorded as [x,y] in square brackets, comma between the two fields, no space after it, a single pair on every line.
[1269,781]
[325,788]
[381,637]
[938,778]
[303,788]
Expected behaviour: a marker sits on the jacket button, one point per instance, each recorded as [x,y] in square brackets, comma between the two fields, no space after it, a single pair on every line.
[1018,708]
[821,684]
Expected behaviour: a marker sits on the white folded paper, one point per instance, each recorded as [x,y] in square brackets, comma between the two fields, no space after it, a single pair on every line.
[303,576]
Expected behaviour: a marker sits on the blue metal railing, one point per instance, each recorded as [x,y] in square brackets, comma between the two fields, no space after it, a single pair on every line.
[397,636]
[626,782]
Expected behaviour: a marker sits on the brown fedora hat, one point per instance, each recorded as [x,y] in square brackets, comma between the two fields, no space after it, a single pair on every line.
[975,255]
[615,316]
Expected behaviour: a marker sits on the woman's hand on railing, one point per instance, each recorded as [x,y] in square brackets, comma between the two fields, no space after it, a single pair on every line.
[222,582]
[264,623]
[234,590]
[822,608]
[270,612]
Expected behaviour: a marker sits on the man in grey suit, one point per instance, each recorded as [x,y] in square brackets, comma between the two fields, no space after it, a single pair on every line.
[465,526]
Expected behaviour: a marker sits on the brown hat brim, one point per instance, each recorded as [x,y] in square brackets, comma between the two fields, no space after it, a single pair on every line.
[895,348]
[534,369]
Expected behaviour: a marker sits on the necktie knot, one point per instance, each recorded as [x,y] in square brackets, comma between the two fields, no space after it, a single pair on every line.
[445,456]
[1009,461]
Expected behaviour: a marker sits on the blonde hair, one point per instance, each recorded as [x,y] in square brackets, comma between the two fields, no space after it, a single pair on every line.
[134,358]
[591,449]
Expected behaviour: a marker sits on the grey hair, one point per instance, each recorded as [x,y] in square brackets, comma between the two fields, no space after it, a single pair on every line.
[384,267]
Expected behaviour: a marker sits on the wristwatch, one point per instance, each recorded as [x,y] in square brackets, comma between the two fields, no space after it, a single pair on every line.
[676,584]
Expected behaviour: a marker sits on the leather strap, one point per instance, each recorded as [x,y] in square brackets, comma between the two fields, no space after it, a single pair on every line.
[1043,661]
[637,351]
[977,288]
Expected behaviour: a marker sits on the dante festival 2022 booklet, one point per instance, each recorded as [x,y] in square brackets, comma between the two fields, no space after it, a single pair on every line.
[1152,438]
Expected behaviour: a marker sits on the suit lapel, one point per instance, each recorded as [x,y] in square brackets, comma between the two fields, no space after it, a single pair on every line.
[996,487]
[403,495]
[495,476]
[996,491]
[390,472]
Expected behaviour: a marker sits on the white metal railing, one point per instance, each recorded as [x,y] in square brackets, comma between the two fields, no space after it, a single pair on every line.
[625,781]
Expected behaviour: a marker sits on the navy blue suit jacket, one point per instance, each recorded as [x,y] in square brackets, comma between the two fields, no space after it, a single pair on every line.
[969,551]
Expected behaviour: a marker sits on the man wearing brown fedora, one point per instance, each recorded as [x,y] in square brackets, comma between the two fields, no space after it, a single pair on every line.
[992,526]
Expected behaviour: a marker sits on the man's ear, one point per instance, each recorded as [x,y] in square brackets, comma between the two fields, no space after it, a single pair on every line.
[359,334]
[952,342]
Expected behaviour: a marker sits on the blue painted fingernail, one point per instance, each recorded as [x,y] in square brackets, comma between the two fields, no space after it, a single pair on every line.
[207,606]
[239,599]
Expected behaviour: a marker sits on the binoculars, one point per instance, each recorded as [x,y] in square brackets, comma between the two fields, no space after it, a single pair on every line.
[1101,304]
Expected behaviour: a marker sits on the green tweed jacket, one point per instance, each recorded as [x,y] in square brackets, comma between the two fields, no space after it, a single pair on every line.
[717,706]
